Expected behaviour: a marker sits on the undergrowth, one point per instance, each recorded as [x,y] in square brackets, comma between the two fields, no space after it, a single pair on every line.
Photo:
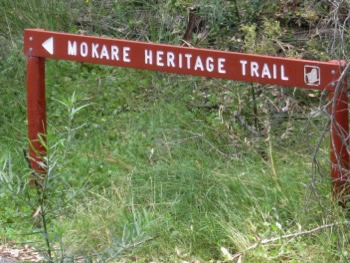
[146,166]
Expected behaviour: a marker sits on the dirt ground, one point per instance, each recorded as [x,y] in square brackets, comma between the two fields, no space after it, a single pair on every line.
[14,254]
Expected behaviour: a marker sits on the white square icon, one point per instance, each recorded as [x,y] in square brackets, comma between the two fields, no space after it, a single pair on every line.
[312,75]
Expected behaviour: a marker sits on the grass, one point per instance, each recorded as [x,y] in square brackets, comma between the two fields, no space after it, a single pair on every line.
[145,167]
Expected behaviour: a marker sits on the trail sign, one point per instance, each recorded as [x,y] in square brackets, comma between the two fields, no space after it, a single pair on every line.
[182,60]
[40,44]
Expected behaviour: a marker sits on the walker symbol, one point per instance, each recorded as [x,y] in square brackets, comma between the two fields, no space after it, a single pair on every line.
[312,75]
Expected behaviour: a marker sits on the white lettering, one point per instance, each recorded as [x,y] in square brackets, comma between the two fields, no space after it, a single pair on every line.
[199,64]
[188,56]
[254,69]
[283,76]
[274,72]
[160,58]
[221,62]
[209,64]
[84,51]
[244,64]
[180,60]
[126,54]
[186,61]
[148,57]
[114,53]
[94,51]
[72,48]
[266,71]
[104,52]
[170,59]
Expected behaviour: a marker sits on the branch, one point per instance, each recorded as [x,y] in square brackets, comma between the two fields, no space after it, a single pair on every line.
[293,235]
[192,18]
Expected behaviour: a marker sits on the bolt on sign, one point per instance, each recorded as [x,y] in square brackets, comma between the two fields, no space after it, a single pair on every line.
[41,44]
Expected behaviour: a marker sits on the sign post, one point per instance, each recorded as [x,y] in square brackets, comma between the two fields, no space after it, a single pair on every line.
[339,140]
[41,44]
[36,111]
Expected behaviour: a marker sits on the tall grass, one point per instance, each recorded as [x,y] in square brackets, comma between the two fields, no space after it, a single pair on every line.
[154,167]
[49,15]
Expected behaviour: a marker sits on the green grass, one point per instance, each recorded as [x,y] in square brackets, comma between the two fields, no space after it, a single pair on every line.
[145,166]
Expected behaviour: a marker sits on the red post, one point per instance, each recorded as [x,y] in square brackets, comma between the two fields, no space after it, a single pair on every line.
[36,107]
[339,142]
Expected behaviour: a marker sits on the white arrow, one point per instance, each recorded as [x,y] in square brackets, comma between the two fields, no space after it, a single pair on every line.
[48,45]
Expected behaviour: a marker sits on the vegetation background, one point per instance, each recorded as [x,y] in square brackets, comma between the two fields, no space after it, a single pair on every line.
[146,166]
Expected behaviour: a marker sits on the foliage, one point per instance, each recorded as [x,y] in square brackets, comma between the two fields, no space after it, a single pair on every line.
[146,166]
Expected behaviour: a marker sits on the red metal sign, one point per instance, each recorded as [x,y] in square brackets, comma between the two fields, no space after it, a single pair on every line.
[182,60]
[40,44]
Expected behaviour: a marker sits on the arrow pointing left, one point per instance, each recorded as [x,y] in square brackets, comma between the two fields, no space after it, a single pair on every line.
[48,45]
